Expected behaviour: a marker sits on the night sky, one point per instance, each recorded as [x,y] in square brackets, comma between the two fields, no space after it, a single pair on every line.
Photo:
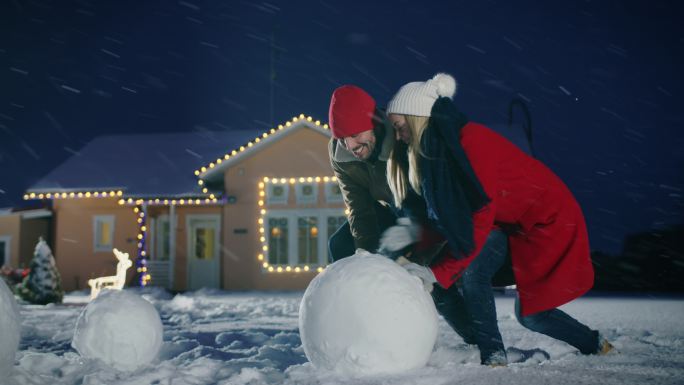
[602,79]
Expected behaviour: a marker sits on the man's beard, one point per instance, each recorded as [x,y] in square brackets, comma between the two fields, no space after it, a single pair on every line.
[360,148]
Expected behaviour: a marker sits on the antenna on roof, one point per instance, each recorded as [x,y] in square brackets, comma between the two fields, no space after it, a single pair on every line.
[527,124]
[272,76]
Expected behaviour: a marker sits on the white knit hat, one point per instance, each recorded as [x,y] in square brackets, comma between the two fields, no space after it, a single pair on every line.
[417,98]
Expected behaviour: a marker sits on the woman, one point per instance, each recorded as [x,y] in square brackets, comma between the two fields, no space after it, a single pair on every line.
[473,181]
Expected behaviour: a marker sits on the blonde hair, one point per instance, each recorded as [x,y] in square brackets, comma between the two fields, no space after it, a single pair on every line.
[402,165]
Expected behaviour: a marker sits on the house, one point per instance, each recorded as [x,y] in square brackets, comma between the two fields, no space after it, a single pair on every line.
[238,210]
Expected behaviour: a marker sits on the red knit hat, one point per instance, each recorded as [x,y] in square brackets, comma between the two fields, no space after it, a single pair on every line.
[351,111]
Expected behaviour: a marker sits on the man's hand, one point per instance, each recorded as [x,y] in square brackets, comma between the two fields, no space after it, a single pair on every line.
[398,237]
[424,273]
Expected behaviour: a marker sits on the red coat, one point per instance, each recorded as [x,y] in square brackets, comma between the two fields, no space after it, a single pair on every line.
[550,249]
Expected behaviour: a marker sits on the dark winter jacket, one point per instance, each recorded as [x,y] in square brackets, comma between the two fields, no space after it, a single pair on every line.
[364,186]
[448,181]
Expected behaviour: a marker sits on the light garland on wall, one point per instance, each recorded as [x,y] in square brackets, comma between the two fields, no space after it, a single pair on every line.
[261,202]
[74,195]
[250,144]
[144,277]
[211,200]
[141,218]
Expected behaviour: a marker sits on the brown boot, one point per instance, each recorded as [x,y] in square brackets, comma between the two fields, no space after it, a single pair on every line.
[605,348]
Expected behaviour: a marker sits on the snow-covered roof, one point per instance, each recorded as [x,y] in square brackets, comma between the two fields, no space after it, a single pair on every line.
[143,164]
[168,165]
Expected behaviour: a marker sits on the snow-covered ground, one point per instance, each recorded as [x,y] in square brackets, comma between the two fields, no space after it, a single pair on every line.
[213,337]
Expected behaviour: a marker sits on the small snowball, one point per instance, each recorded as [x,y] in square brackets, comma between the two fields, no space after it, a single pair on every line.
[119,328]
[10,328]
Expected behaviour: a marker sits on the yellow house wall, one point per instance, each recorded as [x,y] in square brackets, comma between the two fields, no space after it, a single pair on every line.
[74,249]
[302,153]
[10,225]
[31,231]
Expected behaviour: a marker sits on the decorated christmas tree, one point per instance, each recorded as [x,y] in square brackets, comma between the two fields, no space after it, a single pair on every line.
[43,285]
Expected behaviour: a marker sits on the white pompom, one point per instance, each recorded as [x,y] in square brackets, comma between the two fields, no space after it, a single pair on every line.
[446,85]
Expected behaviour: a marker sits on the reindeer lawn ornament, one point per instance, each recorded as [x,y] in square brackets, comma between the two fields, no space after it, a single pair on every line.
[115,282]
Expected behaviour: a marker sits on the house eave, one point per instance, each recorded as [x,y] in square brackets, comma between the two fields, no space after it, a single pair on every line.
[215,173]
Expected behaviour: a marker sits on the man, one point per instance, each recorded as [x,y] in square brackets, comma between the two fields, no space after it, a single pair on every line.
[358,151]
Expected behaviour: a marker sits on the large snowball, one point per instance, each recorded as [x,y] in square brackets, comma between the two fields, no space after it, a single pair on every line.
[365,315]
[119,328]
[10,328]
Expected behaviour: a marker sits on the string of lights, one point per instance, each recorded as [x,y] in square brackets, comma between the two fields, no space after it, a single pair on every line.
[144,277]
[262,255]
[73,194]
[235,152]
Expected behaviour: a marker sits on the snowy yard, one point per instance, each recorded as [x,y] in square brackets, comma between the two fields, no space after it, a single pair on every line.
[215,337]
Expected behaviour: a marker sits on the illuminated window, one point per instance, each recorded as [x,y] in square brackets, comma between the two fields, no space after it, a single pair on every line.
[103,232]
[299,237]
[333,194]
[307,193]
[204,242]
[334,223]
[277,193]
[307,240]
[278,244]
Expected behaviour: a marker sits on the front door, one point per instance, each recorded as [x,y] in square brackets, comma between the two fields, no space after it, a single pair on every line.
[203,251]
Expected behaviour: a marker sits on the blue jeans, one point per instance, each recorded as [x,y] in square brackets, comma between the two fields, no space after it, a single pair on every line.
[559,325]
[470,310]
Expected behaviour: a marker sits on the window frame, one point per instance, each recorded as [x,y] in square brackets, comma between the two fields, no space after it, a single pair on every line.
[303,199]
[157,231]
[271,200]
[329,196]
[111,219]
[293,216]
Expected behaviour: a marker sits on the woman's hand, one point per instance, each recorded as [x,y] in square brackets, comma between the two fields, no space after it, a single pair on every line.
[424,273]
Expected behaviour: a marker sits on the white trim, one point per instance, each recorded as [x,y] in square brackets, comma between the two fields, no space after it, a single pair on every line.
[263,142]
[173,222]
[8,240]
[52,190]
[329,196]
[216,219]
[273,200]
[36,214]
[104,218]
[306,200]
